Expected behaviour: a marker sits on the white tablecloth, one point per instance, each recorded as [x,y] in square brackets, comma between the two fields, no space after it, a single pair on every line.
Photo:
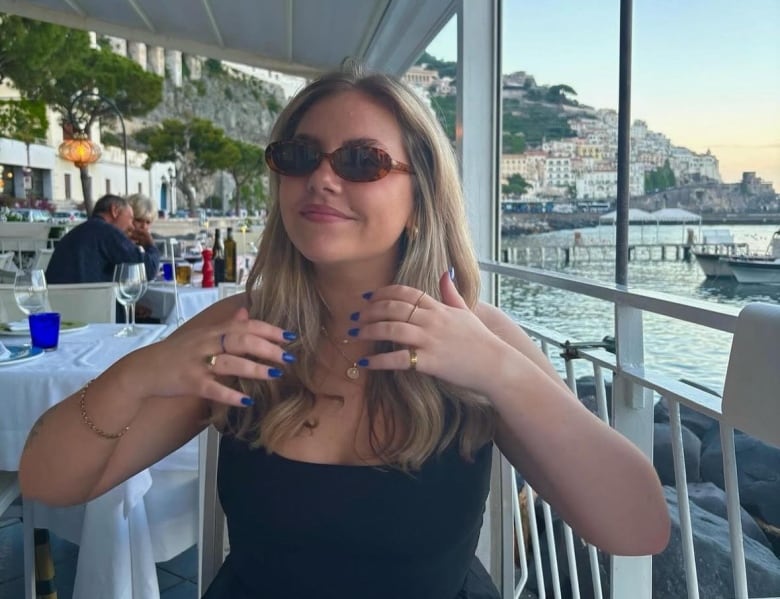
[160,298]
[151,517]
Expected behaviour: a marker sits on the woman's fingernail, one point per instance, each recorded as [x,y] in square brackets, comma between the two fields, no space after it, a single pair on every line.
[274,373]
[452,273]
[288,357]
[247,401]
[353,332]
[367,295]
[289,336]
[362,362]
[354,316]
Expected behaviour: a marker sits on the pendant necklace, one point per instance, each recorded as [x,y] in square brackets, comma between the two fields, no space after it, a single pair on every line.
[353,372]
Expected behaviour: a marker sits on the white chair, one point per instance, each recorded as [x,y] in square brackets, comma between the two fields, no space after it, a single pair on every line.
[751,403]
[227,289]
[42,258]
[211,519]
[11,508]
[7,261]
[85,302]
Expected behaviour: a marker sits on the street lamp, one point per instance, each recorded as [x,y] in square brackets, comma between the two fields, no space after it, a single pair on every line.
[80,150]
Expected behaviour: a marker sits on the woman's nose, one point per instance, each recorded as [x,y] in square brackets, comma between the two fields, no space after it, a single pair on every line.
[324,177]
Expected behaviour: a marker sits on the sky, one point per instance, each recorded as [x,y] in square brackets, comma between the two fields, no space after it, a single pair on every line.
[706,73]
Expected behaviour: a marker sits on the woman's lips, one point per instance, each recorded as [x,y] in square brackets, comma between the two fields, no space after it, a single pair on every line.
[323,214]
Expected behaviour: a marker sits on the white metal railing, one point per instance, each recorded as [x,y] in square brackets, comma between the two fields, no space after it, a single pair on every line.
[631,574]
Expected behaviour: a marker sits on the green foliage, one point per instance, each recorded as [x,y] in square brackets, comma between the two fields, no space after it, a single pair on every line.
[535,121]
[444,106]
[109,138]
[513,143]
[23,120]
[33,54]
[516,186]
[247,166]
[660,178]
[228,94]
[213,67]
[558,94]
[197,147]
[444,67]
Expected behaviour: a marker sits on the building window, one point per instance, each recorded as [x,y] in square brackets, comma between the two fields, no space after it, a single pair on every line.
[108,185]
[67,186]
[140,188]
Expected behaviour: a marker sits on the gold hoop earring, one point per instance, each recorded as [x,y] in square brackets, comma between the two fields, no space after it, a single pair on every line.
[412,232]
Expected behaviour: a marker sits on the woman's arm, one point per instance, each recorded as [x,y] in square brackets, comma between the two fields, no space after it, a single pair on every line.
[597,480]
[161,391]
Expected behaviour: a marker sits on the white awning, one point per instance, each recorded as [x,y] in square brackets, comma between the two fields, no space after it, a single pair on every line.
[301,37]
[675,215]
[635,215]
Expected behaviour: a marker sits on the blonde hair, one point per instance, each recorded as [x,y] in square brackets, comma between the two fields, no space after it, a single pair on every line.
[142,206]
[421,414]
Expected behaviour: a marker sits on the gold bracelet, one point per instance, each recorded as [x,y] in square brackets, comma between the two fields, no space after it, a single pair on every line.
[88,421]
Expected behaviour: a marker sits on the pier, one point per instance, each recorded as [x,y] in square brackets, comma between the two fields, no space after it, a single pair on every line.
[578,253]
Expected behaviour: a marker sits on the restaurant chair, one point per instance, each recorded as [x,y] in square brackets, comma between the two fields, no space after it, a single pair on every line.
[751,404]
[7,262]
[42,258]
[80,302]
[212,541]
[12,506]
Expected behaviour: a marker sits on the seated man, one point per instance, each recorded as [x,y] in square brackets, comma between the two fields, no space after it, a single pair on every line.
[89,252]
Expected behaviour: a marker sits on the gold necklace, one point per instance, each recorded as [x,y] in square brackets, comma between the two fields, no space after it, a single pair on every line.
[353,372]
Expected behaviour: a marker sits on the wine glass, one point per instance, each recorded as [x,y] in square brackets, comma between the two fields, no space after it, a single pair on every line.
[30,291]
[144,287]
[131,283]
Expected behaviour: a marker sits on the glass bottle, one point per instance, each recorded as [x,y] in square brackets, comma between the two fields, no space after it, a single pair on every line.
[218,257]
[231,257]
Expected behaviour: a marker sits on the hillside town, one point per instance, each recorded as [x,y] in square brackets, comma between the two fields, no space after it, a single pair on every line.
[580,171]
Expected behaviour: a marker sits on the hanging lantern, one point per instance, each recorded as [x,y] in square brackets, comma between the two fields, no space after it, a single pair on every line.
[80,150]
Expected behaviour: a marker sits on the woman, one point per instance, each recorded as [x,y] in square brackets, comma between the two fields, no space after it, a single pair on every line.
[360,385]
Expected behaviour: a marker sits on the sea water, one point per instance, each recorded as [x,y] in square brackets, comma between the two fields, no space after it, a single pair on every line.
[674,348]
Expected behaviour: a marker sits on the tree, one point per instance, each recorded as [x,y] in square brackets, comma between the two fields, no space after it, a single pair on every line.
[33,54]
[660,178]
[197,147]
[516,186]
[559,94]
[513,143]
[246,168]
[68,69]
[25,121]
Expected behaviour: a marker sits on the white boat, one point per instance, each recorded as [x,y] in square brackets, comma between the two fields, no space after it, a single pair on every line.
[760,270]
[716,244]
[712,264]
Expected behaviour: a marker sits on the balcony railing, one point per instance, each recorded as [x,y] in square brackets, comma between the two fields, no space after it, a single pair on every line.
[632,414]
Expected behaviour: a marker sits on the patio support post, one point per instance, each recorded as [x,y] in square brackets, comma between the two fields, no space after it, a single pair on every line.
[624,145]
[477,133]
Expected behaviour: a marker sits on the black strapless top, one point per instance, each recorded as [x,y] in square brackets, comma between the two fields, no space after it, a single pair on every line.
[303,530]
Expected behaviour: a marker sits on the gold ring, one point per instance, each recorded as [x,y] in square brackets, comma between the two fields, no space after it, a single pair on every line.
[211,360]
[412,359]
[415,306]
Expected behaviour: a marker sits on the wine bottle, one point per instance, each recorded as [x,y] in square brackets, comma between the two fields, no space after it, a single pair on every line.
[218,257]
[231,257]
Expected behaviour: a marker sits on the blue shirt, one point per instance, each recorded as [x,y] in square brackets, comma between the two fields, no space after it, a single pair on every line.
[89,252]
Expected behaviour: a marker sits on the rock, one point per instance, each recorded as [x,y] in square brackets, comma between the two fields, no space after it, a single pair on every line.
[709,497]
[699,424]
[713,559]
[586,391]
[663,458]
[758,468]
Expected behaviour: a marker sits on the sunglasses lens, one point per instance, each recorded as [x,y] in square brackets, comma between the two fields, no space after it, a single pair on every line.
[292,158]
[361,163]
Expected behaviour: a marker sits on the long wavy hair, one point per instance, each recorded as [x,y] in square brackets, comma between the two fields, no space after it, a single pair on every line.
[420,415]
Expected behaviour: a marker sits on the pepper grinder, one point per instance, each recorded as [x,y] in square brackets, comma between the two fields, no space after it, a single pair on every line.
[208,268]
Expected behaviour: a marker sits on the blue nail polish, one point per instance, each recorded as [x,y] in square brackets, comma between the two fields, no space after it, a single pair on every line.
[368,295]
[289,336]
[354,316]
[287,357]
[274,373]
[452,273]
[247,401]
[362,362]
[353,332]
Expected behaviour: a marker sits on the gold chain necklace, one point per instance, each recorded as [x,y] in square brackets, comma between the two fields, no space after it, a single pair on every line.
[353,372]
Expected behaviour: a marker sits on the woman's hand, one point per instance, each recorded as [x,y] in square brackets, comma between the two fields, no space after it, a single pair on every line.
[447,339]
[195,361]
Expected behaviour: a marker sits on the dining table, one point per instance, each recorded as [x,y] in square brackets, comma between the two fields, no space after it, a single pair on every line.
[151,517]
[161,297]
